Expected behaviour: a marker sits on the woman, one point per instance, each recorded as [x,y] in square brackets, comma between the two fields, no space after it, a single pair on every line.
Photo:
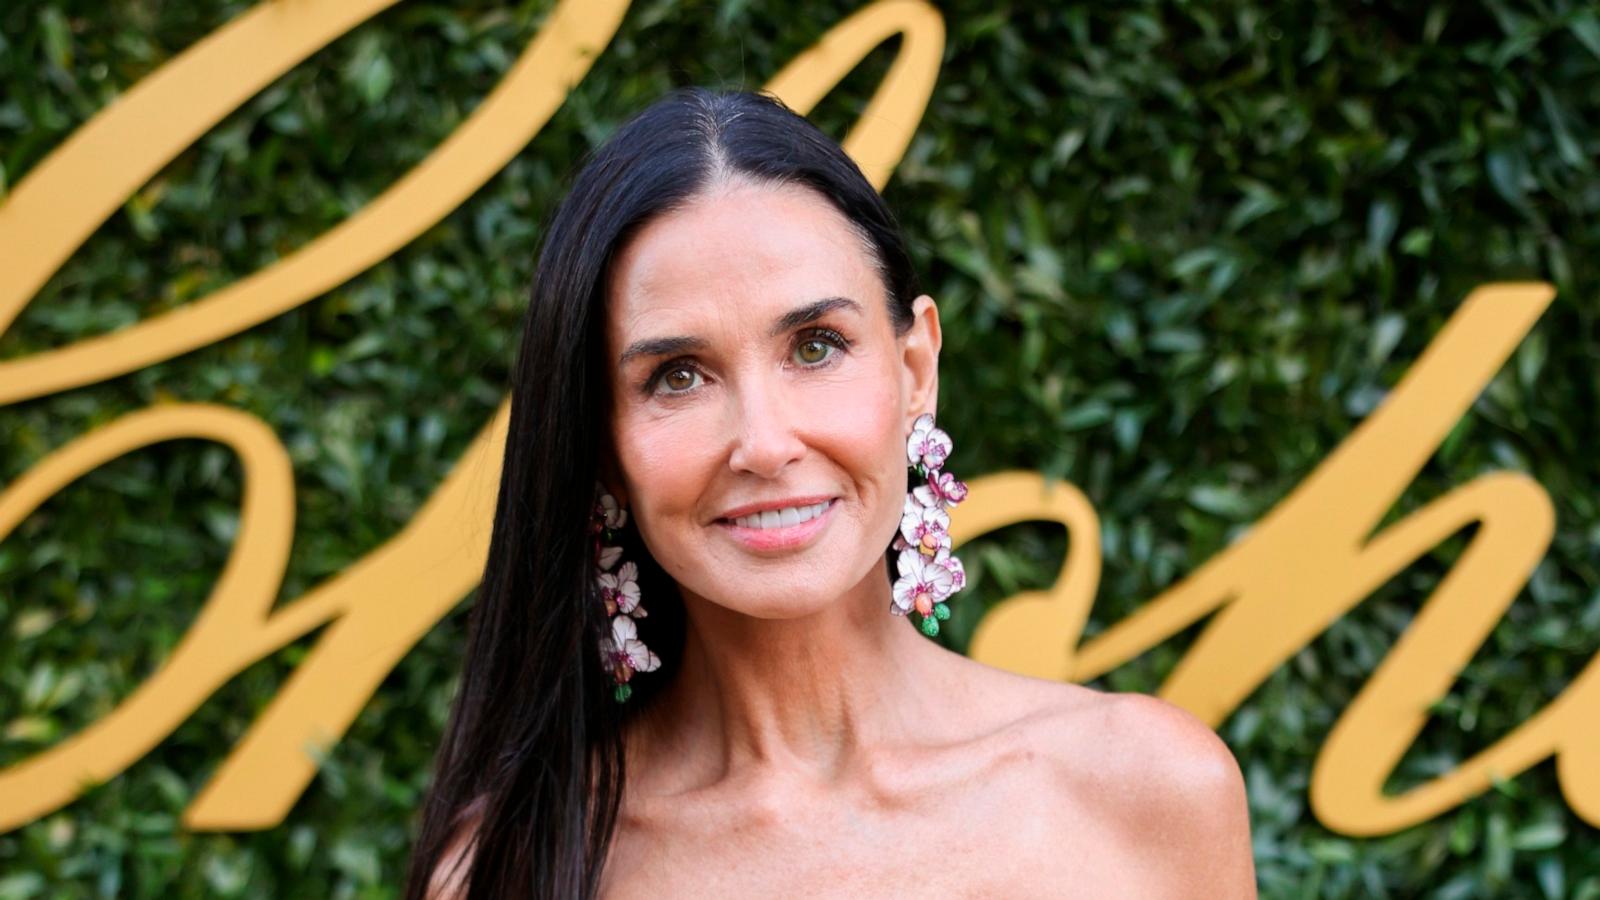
[723,500]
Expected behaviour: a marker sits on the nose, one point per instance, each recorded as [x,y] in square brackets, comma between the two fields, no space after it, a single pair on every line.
[765,439]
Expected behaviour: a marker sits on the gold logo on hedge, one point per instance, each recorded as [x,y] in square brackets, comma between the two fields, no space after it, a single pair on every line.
[1306,563]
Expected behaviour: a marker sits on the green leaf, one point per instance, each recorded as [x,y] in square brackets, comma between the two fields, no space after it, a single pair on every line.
[1539,836]
[1585,26]
[1222,500]
[1508,173]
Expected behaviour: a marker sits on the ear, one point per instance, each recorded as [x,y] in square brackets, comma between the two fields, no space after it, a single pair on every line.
[611,476]
[919,358]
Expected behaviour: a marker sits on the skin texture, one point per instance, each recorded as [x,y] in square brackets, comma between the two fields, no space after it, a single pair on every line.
[813,744]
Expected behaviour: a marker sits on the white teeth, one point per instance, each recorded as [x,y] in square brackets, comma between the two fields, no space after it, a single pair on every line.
[782,518]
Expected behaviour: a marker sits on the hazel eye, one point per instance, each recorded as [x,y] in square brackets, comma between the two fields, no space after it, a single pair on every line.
[679,379]
[814,351]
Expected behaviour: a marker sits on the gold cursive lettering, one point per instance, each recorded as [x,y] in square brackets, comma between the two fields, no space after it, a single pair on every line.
[1308,562]
[1313,558]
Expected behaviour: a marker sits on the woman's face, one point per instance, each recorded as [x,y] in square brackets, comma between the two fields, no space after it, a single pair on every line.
[754,367]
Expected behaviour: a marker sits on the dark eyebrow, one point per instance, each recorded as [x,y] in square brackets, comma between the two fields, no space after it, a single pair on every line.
[811,312]
[661,347]
[666,346]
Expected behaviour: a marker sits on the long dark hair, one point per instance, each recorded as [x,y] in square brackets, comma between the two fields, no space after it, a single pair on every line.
[531,763]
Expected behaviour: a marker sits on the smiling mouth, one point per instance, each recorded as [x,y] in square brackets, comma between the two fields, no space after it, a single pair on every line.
[776,519]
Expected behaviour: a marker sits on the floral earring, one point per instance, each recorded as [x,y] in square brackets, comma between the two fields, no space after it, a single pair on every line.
[621,651]
[928,573]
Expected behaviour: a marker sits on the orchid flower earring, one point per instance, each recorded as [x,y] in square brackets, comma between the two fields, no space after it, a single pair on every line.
[621,652]
[929,574]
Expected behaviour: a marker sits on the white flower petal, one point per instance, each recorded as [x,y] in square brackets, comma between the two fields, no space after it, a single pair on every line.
[623,630]
[902,592]
[958,572]
[640,657]
[909,563]
[628,597]
[936,448]
[919,436]
[912,506]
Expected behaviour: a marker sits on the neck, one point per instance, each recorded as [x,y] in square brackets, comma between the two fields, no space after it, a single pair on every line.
[806,693]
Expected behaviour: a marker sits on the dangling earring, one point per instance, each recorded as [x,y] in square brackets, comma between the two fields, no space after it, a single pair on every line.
[929,574]
[621,651]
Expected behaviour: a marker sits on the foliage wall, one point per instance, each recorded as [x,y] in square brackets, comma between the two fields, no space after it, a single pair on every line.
[1181,250]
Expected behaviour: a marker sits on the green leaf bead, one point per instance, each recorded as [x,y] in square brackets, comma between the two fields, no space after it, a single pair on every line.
[941,611]
[623,692]
[930,626]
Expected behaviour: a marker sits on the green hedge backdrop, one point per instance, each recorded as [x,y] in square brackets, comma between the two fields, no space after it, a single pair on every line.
[1180,248]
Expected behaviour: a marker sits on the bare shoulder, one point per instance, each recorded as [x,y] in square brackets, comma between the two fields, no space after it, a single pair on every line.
[1176,754]
[1153,789]
[1166,781]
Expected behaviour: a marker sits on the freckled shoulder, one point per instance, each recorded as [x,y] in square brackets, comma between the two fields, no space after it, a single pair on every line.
[1153,788]
[1168,785]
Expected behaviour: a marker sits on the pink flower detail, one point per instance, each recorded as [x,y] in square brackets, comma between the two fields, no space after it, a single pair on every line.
[958,572]
[942,490]
[607,557]
[620,590]
[925,527]
[927,446]
[623,653]
[922,583]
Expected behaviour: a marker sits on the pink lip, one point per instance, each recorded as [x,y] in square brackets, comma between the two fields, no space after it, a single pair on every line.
[774,539]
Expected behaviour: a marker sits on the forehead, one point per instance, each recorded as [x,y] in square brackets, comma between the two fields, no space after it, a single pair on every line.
[742,249]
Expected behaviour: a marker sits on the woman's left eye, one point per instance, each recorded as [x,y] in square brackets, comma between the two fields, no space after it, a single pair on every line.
[819,346]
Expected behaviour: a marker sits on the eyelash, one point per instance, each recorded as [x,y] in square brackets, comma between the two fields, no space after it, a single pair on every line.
[838,341]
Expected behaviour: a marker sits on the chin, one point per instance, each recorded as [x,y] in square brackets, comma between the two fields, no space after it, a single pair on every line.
[781,605]
[778,604]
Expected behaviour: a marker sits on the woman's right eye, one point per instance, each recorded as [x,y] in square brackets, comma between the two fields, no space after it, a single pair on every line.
[678,379]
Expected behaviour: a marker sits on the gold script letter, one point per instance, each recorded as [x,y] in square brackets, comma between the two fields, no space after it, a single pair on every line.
[1314,557]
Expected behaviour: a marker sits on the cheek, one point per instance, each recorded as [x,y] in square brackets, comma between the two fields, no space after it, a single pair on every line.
[857,423]
[662,463]
[861,421]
